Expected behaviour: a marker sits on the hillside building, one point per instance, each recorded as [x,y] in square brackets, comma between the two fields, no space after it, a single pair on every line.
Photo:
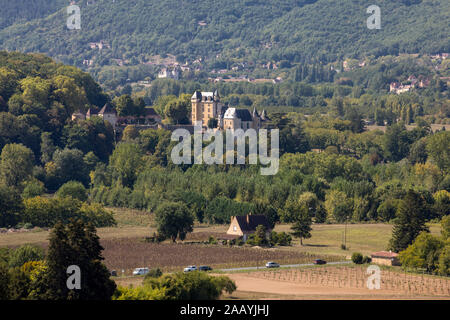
[207,106]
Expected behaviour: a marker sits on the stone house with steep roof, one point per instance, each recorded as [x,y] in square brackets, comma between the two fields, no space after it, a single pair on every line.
[243,226]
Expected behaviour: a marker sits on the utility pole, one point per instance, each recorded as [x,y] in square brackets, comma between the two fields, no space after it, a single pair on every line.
[345,234]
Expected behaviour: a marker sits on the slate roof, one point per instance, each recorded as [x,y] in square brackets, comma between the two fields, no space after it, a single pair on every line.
[384,254]
[249,222]
[244,115]
[107,109]
[205,95]
[91,112]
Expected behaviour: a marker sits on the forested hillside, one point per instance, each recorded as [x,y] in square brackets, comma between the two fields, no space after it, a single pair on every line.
[22,11]
[295,30]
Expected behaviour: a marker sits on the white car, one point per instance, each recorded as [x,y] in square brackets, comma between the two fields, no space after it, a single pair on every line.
[190,268]
[272,265]
[140,271]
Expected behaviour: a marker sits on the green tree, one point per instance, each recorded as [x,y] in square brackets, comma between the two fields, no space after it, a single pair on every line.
[356,120]
[4,282]
[418,152]
[357,258]
[47,147]
[396,142]
[302,225]
[260,236]
[438,148]
[174,220]
[25,253]
[191,286]
[445,227]
[11,207]
[124,105]
[16,164]
[339,207]
[73,189]
[130,133]
[441,206]
[444,261]
[410,221]
[423,253]
[177,111]
[67,165]
[387,209]
[76,244]
[125,162]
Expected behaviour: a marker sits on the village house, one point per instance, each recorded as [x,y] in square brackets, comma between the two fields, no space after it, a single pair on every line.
[412,82]
[165,73]
[386,258]
[150,117]
[109,114]
[243,226]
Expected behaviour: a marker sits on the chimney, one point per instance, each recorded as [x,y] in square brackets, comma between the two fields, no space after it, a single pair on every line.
[248,218]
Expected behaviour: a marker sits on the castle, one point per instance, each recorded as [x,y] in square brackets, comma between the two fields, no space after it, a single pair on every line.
[207,109]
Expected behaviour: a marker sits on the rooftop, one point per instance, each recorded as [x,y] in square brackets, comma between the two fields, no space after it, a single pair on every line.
[384,254]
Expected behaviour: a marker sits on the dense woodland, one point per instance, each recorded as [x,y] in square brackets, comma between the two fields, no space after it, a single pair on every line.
[353,174]
[253,31]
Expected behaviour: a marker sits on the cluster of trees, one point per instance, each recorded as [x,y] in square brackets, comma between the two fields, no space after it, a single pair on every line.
[29,209]
[179,286]
[37,137]
[333,186]
[428,252]
[27,274]
[260,238]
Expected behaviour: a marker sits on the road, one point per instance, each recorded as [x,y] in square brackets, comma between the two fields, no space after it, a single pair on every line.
[283,266]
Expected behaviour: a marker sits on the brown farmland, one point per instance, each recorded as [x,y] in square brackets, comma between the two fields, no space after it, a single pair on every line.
[128,254]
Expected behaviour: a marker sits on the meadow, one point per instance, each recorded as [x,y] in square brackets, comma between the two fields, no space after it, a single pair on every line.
[125,246]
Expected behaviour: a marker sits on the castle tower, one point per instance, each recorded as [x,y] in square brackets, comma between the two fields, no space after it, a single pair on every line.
[205,106]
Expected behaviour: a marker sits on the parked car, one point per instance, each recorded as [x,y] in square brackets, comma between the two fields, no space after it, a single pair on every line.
[140,271]
[190,268]
[319,261]
[204,268]
[272,265]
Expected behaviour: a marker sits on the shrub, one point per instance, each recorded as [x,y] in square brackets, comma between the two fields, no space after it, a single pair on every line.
[43,212]
[191,286]
[154,273]
[284,239]
[97,215]
[73,189]
[357,258]
[366,259]
[280,239]
[33,189]
[212,240]
[25,254]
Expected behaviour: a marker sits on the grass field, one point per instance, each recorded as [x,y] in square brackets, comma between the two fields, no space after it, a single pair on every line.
[125,249]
